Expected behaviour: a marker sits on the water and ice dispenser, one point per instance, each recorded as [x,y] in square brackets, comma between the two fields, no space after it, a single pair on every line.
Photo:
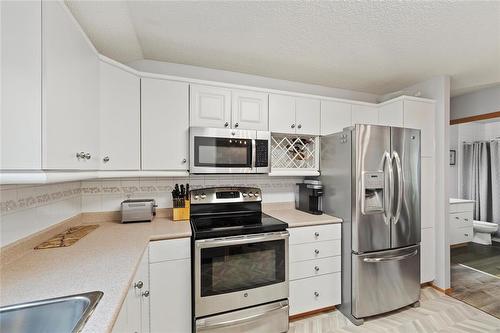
[373,189]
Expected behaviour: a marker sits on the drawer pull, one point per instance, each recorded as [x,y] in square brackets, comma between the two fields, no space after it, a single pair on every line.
[316,268]
[457,217]
[466,219]
[316,251]
[316,294]
[466,235]
[316,234]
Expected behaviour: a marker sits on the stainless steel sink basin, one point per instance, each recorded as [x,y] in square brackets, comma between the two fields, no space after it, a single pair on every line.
[62,315]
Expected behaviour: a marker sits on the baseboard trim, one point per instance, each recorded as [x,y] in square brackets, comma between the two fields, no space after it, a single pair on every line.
[311,313]
[446,291]
[459,245]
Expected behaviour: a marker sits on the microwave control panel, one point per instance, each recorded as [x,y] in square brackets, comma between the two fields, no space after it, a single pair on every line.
[261,153]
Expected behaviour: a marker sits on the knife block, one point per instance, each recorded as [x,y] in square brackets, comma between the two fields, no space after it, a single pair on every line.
[181,213]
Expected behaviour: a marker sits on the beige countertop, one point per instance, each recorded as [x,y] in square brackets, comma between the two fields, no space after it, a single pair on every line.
[286,212]
[106,259]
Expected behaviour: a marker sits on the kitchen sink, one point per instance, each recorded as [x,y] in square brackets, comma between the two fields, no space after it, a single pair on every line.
[65,314]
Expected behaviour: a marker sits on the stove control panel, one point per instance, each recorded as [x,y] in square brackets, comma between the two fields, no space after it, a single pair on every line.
[225,195]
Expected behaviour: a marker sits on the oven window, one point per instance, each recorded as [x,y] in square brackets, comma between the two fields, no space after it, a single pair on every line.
[239,267]
[222,152]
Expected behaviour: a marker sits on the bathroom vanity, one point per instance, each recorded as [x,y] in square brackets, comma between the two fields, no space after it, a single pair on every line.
[461,221]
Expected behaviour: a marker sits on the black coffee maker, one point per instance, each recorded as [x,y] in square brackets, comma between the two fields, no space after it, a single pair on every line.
[309,196]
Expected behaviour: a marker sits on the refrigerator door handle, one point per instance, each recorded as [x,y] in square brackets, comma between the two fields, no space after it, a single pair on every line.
[387,160]
[382,259]
[399,171]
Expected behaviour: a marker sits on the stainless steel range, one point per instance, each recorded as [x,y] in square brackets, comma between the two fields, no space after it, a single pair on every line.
[240,266]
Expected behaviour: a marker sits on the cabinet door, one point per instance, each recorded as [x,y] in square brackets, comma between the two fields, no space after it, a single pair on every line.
[428,196]
[427,256]
[334,116]
[171,296]
[120,119]
[210,106]
[250,110]
[165,124]
[420,115]
[391,114]
[307,116]
[70,90]
[364,114]
[281,114]
[20,102]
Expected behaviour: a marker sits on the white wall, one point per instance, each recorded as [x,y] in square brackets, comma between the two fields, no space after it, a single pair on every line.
[25,210]
[453,173]
[202,73]
[475,103]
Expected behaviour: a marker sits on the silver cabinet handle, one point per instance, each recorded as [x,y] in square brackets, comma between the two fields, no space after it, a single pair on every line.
[293,126]
[139,284]
[466,235]
[316,251]
[88,156]
[106,159]
[316,294]
[236,125]
[316,234]
[299,126]
[80,155]
[226,124]
[146,293]
[184,160]
[316,268]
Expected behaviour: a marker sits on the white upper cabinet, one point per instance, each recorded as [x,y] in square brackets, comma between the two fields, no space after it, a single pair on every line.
[391,114]
[281,114]
[165,124]
[70,90]
[420,115]
[335,116]
[210,106]
[364,114]
[307,116]
[120,119]
[250,110]
[288,113]
[20,102]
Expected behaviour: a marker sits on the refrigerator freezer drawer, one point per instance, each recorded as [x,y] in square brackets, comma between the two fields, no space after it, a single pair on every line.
[385,280]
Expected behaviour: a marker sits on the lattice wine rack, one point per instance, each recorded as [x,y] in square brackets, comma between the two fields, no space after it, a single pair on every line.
[292,152]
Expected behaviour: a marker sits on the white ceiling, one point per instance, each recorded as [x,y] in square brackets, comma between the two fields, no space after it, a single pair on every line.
[375,47]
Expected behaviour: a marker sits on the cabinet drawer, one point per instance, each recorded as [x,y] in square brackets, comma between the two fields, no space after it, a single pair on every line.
[170,249]
[316,267]
[314,293]
[461,220]
[315,233]
[316,250]
[461,235]
[462,207]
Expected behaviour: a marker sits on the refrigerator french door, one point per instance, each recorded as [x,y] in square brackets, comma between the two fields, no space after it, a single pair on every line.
[371,177]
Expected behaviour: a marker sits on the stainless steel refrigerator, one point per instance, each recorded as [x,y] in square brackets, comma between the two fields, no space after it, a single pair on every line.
[371,178]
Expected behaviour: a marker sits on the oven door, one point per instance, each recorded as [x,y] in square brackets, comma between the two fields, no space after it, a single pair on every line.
[217,150]
[241,271]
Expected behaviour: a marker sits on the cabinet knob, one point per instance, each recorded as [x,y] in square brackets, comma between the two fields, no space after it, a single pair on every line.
[293,126]
[146,293]
[299,126]
[316,234]
[236,125]
[226,124]
[316,294]
[139,284]
[466,235]
[184,160]
[88,156]
[316,251]
[80,155]
[316,268]
[106,159]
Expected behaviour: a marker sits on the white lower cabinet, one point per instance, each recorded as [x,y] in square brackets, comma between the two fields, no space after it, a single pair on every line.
[461,222]
[315,268]
[134,314]
[170,274]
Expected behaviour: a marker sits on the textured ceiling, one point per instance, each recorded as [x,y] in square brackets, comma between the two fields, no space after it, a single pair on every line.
[375,47]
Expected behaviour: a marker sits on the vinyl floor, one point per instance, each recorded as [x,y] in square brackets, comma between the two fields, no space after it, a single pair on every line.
[485,258]
[437,313]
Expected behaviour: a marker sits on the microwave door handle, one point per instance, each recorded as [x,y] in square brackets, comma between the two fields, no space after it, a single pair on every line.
[254,156]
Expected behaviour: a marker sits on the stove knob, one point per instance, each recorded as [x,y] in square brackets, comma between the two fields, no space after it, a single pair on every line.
[244,195]
[256,194]
[196,197]
[203,196]
[250,194]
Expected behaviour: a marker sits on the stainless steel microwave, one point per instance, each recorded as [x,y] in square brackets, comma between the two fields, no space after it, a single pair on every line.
[220,150]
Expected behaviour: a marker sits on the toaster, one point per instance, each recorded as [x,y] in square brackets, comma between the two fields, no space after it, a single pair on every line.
[138,210]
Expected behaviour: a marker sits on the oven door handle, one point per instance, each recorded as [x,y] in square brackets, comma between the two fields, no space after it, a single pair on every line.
[266,312]
[204,243]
